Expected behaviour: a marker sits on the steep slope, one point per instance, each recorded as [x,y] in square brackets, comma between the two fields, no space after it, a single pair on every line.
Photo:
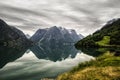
[107,36]
[12,37]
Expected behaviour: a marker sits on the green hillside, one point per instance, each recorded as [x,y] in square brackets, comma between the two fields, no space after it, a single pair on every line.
[107,36]
[105,67]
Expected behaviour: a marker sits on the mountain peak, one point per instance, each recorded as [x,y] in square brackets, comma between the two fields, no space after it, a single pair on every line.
[54,27]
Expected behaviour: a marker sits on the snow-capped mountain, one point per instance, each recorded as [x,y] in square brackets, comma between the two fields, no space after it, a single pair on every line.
[55,35]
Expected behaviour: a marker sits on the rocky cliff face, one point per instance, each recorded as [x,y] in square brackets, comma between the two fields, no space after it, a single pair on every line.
[55,35]
[12,37]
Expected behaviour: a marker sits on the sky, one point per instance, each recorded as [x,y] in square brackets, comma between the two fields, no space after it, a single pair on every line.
[85,16]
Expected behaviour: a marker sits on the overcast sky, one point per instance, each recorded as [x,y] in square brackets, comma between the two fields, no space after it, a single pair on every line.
[85,16]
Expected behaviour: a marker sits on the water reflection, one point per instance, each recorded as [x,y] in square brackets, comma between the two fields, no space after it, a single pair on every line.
[100,51]
[29,67]
[40,62]
[8,54]
[54,53]
[43,61]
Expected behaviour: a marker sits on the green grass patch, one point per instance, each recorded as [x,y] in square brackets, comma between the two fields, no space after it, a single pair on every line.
[104,42]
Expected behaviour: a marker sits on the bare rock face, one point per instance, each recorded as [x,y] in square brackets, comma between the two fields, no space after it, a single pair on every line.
[12,37]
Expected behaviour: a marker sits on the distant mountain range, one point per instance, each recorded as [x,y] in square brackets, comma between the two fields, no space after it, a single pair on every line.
[55,35]
[107,36]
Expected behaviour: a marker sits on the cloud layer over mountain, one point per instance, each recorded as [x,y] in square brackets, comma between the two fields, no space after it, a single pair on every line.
[85,16]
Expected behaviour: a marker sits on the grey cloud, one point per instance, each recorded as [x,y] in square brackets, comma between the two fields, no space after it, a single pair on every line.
[14,14]
[113,3]
[81,15]
[9,17]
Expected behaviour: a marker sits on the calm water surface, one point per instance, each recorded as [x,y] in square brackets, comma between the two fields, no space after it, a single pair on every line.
[38,62]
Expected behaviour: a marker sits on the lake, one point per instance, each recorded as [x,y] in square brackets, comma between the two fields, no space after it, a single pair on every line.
[40,62]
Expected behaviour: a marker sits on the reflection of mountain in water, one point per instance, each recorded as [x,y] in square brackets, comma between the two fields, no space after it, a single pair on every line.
[54,53]
[8,54]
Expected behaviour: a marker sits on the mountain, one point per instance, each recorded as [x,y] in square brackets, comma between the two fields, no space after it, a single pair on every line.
[55,35]
[12,37]
[107,36]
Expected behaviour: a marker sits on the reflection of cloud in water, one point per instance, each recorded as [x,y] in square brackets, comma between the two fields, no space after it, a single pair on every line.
[30,67]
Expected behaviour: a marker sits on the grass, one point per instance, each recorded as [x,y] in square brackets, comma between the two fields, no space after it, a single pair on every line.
[105,67]
[104,42]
